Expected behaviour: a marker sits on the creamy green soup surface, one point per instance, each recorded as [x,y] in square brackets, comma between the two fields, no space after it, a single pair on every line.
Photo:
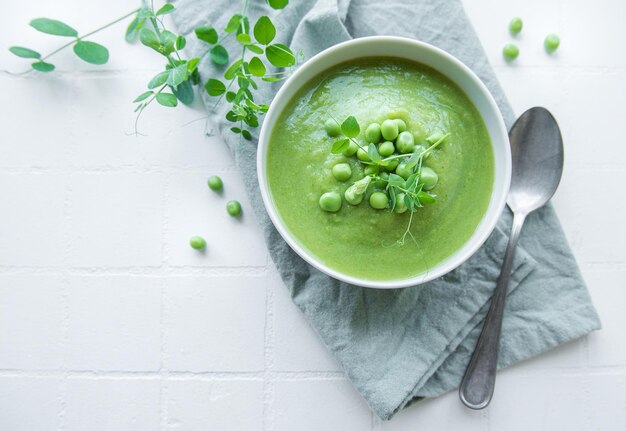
[359,240]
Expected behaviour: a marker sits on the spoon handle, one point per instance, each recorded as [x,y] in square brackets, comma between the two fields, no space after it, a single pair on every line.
[480,376]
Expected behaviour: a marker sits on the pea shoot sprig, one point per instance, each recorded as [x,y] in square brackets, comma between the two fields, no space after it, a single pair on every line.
[401,182]
[258,52]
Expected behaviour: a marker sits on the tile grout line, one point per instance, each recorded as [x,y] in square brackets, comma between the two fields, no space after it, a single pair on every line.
[269,355]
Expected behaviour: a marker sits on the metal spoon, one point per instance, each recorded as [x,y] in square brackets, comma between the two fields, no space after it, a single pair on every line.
[537,151]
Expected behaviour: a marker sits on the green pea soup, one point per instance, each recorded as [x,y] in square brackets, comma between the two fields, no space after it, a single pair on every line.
[358,240]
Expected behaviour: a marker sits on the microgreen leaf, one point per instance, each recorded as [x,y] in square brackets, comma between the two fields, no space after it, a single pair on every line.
[192,64]
[184,92]
[167,99]
[143,96]
[280,55]
[395,180]
[177,75]
[278,4]
[350,127]
[256,49]
[24,52]
[52,26]
[272,79]
[256,66]
[181,42]
[373,153]
[165,9]
[243,38]
[219,55]
[392,197]
[426,198]
[244,26]
[235,130]
[168,40]
[91,52]
[215,87]
[233,24]
[230,96]
[264,30]
[159,79]
[340,146]
[207,34]
[149,38]
[42,66]
[232,70]
[246,134]
[132,31]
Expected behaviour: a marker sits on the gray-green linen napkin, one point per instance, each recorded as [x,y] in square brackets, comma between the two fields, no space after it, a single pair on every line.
[398,345]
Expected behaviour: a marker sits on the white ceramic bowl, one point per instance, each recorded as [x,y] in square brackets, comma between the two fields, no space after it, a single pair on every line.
[461,75]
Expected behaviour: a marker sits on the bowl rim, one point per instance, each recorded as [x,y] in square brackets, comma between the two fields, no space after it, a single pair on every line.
[495,208]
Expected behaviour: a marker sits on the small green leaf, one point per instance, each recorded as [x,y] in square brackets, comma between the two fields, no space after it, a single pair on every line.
[373,153]
[165,9]
[177,75]
[235,129]
[256,66]
[280,55]
[243,38]
[149,38]
[392,197]
[410,182]
[167,99]
[232,70]
[350,127]
[24,52]
[247,135]
[232,116]
[143,96]
[219,55]
[91,52]
[340,146]
[145,12]
[184,92]
[215,87]
[244,26]
[256,49]
[395,180]
[409,202]
[52,26]
[42,66]
[168,40]
[181,42]
[230,96]
[264,30]
[159,79]
[426,198]
[133,29]
[192,64]
[278,4]
[272,79]
[233,24]
[207,34]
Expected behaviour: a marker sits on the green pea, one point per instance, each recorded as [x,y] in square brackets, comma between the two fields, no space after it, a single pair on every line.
[389,130]
[419,135]
[401,125]
[372,133]
[400,204]
[362,155]
[515,26]
[391,165]
[405,143]
[510,51]
[403,171]
[428,177]
[332,128]
[215,183]
[330,201]
[351,150]
[382,183]
[342,172]
[233,208]
[197,242]
[386,149]
[552,43]
[379,200]
[371,169]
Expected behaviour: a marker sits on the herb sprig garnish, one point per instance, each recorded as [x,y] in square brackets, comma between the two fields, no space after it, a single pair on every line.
[176,83]
[404,194]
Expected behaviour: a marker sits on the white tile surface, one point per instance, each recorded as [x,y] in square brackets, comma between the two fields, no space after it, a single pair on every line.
[116,219]
[215,323]
[31,322]
[32,231]
[30,403]
[326,405]
[109,321]
[112,404]
[215,405]
[114,323]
